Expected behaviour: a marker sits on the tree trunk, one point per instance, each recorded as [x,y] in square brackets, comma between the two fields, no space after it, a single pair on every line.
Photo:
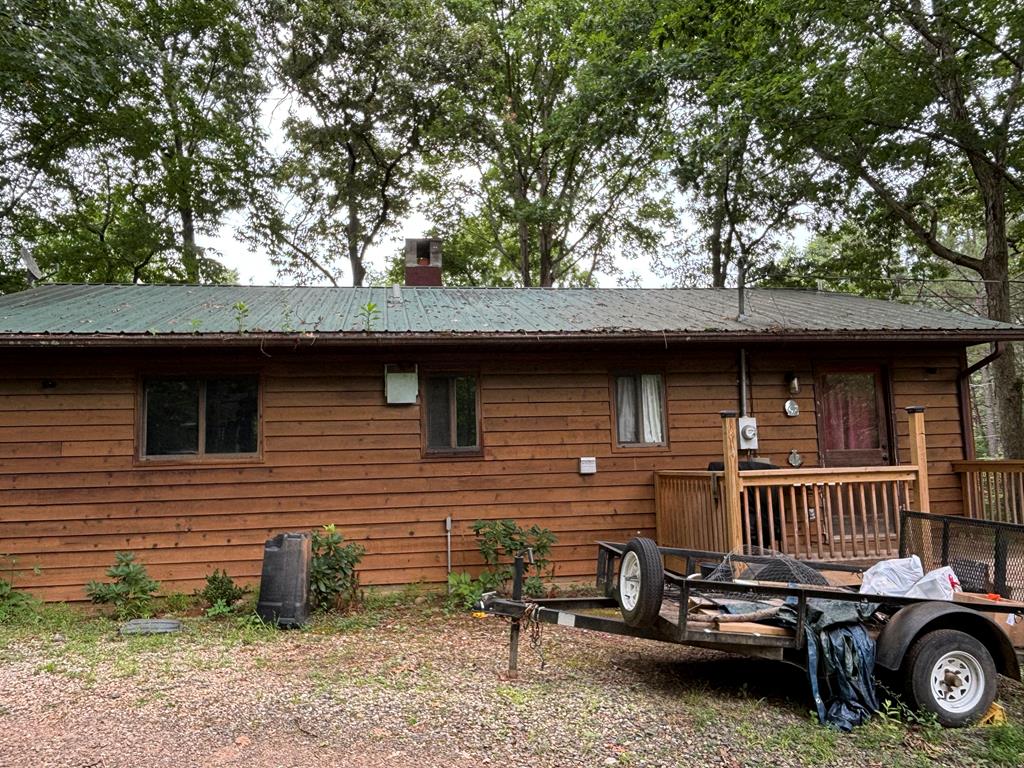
[189,250]
[358,271]
[982,398]
[547,271]
[1009,401]
[719,251]
[352,235]
[524,254]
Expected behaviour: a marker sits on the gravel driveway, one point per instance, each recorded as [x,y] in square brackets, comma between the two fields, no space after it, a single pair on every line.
[409,686]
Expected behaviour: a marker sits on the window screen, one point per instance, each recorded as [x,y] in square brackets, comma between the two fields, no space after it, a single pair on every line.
[232,413]
[193,416]
[172,417]
[451,413]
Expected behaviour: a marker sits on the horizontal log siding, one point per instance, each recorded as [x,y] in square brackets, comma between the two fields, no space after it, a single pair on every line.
[72,493]
[930,379]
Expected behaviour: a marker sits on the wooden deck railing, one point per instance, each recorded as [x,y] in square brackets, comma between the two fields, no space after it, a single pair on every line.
[993,489]
[826,514]
[689,512]
[817,513]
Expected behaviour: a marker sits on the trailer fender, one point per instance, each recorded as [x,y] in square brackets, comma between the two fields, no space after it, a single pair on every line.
[913,621]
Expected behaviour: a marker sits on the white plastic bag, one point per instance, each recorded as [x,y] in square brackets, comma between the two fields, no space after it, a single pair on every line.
[939,584]
[892,577]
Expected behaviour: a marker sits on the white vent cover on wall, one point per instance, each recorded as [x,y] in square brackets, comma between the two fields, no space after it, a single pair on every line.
[401,384]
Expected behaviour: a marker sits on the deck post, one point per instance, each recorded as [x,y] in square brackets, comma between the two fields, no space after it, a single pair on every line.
[919,458]
[731,479]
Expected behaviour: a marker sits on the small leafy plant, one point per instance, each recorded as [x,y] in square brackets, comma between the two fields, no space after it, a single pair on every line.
[369,313]
[500,540]
[177,602]
[221,588]
[131,592]
[241,313]
[14,604]
[333,581]
[463,591]
[219,610]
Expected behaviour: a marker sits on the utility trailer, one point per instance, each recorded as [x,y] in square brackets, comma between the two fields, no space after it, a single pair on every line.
[946,654]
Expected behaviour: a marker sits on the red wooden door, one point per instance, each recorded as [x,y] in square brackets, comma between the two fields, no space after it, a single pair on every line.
[853,430]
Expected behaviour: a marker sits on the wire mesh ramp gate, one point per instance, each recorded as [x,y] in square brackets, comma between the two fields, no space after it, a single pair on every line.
[986,556]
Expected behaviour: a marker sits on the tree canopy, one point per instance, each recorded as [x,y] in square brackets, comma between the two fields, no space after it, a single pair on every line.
[144,134]
[563,136]
[914,107]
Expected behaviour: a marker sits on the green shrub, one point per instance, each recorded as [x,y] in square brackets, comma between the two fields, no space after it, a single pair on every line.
[221,588]
[333,581]
[177,602]
[131,592]
[500,540]
[15,604]
[463,592]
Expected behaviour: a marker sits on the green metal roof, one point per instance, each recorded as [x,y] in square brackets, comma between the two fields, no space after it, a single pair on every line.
[183,313]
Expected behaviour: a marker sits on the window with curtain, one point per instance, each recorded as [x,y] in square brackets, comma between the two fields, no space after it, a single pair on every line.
[849,411]
[640,409]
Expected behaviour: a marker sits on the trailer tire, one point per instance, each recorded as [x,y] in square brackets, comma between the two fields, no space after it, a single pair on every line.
[641,582]
[952,674]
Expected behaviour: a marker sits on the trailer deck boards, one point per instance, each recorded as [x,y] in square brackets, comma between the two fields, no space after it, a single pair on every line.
[704,621]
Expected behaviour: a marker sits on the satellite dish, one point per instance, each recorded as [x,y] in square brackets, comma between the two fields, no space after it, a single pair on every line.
[34,272]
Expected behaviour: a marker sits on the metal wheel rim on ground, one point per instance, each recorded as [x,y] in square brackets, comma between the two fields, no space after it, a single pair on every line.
[957,681]
[629,581]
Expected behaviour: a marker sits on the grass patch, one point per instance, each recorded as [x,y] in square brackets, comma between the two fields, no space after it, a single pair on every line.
[514,695]
[808,742]
[1002,744]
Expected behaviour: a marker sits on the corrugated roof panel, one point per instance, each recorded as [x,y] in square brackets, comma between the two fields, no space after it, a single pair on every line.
[198,310]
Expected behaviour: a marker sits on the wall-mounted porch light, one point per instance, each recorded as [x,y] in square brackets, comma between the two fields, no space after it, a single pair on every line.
[793,383]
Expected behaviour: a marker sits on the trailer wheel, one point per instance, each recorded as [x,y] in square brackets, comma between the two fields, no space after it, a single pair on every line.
[952,674]
[641,582]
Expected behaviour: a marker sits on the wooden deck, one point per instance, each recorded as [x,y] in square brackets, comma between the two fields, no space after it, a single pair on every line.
[826,514]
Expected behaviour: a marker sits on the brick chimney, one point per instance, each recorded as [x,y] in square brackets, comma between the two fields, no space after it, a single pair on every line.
[423,261]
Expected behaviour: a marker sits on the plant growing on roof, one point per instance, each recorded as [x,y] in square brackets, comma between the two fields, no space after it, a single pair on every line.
[241,313]
[369,313]
[500,540]
[131,592]
[333,581]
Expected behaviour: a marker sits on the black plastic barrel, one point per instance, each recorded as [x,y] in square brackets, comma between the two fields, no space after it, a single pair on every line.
[284,585]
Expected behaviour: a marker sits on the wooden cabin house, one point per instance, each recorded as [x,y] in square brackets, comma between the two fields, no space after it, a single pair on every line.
[190,423]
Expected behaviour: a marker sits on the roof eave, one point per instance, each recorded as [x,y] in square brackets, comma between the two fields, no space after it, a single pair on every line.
[257,338]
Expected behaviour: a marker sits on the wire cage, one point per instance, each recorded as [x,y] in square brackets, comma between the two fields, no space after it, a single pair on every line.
[987,557]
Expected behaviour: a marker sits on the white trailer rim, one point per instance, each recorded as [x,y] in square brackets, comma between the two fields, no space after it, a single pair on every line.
[629,581]
[957,682]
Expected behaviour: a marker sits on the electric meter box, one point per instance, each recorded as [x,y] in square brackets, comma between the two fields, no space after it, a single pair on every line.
[747,433]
